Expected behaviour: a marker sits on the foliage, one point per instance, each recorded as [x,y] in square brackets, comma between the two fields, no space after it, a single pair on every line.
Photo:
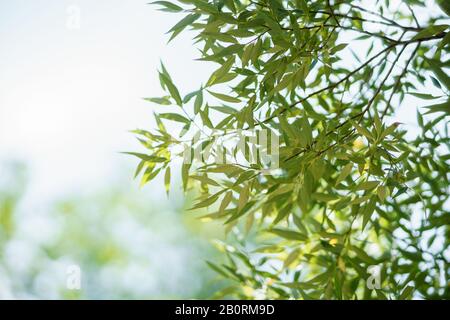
[354,188]
[12,184]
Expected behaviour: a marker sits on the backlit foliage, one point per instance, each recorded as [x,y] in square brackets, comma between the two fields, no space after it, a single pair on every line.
[356,187]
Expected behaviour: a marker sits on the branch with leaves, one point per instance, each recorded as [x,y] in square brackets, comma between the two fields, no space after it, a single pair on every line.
[353,184]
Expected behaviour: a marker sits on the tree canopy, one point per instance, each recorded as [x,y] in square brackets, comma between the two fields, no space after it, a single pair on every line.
[354,188]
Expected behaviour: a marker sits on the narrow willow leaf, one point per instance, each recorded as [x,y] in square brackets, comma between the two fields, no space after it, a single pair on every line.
[168,6]
[224,37]
[174,117]
[198,101]
[185,175]
[440,107]
[167,180]
[217,269]
[383,193]
[182,24]
[146,157]
[205,203]
[243,197]
[225,202]
[226,52]
[220,73]
[205,117]
[389,130]
[323,197]
[291,258]
[430,31]
[363,256]
[406,293]
[249,222]
[368,211]
[162,101]
[338,48]
[424,96]
[367,185]
[189,97]
[363,131]
[206,180]
[172,89]
[284,71]
[149,175]
[139,168]
[439,72]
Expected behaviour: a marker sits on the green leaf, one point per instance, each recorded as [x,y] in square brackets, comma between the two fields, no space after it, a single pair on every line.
[172,89]
[225,202]
[424,96]
[205,6]
[362,255]
[338,48]
[168,6]
[226,52]
[174,117]
[344,173]
[206,180]
[206,203]
[182,24]
[362,131]
[185,175]
[146,157]
[162,101]
[219,74]
[291,258]
[440,107]
[439,72]
[167,180]
[224,97]
[224,37]
[406,293]
[218,269]
[430,31]
[389,130]
[287,234]
[198,101]
[243,197]
[367,185]
[383,193]
[323,197]
[367,211]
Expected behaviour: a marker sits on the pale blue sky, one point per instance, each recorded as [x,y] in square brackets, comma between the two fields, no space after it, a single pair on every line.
[68,97]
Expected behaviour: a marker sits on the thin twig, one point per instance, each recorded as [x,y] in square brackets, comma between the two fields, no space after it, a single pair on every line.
[397,84]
